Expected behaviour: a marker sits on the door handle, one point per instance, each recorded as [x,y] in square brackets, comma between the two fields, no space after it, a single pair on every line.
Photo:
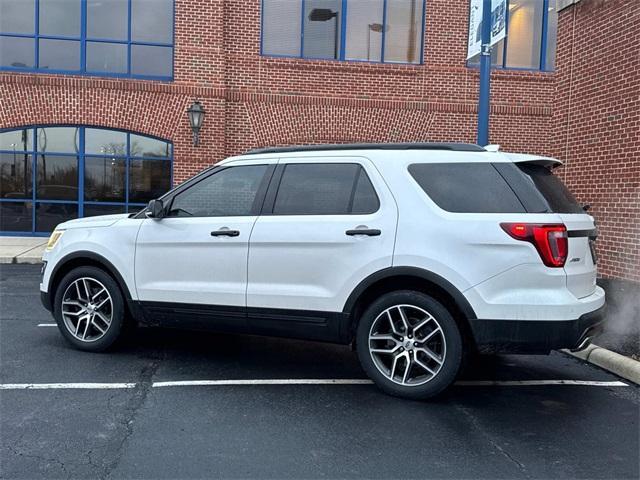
[225,232]
[370,232]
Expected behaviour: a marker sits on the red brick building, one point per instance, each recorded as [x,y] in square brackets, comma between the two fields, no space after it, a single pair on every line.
[402,77]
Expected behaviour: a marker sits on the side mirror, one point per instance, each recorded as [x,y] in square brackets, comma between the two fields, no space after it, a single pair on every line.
[155,209]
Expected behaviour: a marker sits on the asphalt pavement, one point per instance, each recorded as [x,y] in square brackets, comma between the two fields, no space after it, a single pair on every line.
[509,417]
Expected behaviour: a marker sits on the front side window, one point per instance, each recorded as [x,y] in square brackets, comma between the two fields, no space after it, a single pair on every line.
[325,189]
[226,193]
[56,173]
[531,36]
[363,30]
[130,38]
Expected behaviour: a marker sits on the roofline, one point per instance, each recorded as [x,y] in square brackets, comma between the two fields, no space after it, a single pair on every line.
[458,147]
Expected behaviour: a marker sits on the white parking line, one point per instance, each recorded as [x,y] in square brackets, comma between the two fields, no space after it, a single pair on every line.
[56,386]
[295,381]
[513,383]
[47,324]
[291,381]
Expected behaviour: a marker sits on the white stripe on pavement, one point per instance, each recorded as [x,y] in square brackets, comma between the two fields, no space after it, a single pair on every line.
[295,381]
[47,324]
[291,381]
[55,386]
[513,383]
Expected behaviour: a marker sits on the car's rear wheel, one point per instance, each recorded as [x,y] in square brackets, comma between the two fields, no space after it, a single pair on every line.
[409,344]
[89,309]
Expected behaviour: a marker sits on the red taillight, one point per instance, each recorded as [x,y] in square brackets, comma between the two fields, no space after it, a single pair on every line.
[550,240]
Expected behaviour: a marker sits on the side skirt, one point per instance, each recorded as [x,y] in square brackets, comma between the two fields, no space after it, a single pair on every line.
[303,324]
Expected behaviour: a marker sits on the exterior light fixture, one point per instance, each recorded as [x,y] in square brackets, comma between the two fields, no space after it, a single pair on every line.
[196,117]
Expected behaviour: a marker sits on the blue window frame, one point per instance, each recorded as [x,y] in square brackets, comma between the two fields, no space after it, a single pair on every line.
[114,38]
[530,43]
[382,31]
[50,174]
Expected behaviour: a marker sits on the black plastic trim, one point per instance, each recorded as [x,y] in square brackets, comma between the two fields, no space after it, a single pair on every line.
[447,286]
[535,336]
[303,324]
[459,147]
[591,233]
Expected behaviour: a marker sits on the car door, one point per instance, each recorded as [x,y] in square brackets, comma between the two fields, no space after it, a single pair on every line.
[327,224]
[196,255]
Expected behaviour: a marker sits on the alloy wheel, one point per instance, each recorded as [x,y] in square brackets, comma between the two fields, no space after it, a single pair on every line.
[87,309]
[407,345]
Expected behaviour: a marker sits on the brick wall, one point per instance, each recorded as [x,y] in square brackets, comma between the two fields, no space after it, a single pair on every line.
[596,123]
[256,101]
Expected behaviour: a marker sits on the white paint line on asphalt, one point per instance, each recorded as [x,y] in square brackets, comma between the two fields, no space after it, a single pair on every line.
[47,324]
[290,381]
[57,386]
[293,381]
[514,383]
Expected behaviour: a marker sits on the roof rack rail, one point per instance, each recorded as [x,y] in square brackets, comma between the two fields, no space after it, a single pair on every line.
[458,147]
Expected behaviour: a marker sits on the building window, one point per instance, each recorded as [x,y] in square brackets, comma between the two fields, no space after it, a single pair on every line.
[531,36]
[52,174]
[389,31]
[121,38]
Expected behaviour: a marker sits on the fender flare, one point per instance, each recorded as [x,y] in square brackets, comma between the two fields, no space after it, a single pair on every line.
[113,271]
[460,300]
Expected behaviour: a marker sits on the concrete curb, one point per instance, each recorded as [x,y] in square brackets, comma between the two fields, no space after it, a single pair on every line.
[620,365]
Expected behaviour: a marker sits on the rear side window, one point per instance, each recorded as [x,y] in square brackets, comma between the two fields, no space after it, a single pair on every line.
[325,189]
[466,187]
[556,194]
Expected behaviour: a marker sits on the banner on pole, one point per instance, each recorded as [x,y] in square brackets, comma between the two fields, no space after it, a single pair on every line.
[498,25]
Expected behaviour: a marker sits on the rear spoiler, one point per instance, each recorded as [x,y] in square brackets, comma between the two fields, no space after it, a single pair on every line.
[533,159]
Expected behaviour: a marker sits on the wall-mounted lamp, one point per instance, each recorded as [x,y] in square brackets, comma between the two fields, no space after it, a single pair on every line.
[196,117]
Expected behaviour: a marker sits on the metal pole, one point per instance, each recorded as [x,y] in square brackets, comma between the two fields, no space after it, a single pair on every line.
[485,76]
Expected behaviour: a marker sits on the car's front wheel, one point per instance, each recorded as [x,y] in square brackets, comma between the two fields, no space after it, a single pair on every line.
[409,344]
[89,309]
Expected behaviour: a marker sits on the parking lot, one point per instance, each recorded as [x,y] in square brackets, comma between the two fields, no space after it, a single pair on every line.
[171,404]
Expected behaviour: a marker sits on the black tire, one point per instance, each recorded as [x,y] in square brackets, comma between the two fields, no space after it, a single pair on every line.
[116,327]
[452,351]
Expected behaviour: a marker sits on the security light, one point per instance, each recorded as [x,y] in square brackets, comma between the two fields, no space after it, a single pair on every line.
[196,118]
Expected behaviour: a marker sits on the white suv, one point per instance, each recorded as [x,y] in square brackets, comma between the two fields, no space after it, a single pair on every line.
[416,253]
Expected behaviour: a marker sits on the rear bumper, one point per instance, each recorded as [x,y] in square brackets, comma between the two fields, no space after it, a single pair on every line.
[536,336]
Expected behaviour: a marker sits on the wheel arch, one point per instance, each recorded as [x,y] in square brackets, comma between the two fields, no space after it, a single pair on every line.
[84,259]
[409,278]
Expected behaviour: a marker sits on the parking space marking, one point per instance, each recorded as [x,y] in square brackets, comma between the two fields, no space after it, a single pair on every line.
[295,381]
[47,324]
[56,386]
[290,381]
[513,383]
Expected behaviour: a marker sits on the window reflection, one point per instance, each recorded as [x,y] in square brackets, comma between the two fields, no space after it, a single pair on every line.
[122,171]
[15,175]
[57,177]
[148,179]
[104,179]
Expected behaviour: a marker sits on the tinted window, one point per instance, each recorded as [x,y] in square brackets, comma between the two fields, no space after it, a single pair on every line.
[57,177]
[325,189]
[466,187]
[229,192]
[148,179]
[557,195]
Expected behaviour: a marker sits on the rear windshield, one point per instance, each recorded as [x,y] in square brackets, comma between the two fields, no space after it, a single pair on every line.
[556,194]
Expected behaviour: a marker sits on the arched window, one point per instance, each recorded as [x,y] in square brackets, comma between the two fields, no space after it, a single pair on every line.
[55,173]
